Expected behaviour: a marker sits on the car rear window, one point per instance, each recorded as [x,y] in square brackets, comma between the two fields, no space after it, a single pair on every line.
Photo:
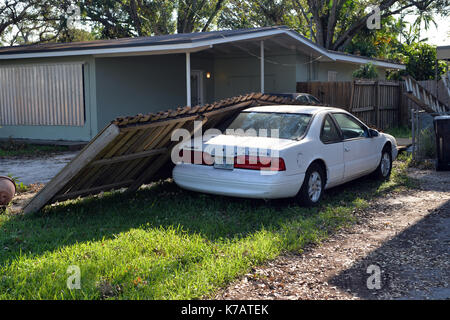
[290,125]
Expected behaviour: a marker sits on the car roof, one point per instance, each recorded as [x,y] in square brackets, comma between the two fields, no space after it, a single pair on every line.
[307,109]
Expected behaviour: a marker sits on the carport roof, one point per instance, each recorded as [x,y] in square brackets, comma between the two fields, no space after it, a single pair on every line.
[185,42]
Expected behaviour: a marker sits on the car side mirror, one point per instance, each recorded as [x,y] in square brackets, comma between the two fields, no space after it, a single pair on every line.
[373,133]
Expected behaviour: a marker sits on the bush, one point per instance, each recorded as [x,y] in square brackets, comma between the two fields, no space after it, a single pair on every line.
[366,71]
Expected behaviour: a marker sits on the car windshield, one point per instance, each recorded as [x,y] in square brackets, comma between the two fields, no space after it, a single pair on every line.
[290,125]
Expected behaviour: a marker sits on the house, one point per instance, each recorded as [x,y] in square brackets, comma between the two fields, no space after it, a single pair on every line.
[443,53]
[70,91]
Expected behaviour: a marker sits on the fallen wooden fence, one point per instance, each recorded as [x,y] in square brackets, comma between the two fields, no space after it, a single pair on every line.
[133,151]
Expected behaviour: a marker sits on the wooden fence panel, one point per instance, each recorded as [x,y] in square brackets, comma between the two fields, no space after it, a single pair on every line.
[333,93]
[376,103]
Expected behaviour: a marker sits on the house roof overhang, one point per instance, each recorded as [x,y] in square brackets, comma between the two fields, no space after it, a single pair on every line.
[181,43]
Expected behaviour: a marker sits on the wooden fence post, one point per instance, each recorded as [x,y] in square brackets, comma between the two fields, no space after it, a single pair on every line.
[351,96]
[399,104]
[377,104]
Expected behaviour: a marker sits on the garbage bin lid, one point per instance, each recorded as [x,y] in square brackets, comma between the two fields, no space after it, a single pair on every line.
[442,118]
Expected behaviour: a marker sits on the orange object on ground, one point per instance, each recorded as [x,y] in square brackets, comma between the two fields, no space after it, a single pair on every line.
[7,190]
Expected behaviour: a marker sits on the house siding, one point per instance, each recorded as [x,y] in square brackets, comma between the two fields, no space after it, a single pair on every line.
[127,86]
[238,75]
[344,71]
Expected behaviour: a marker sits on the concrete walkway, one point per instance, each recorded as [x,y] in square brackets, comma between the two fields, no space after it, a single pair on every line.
[403,143]
[35,170]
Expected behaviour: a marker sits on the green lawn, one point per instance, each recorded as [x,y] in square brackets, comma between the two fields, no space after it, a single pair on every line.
[400,132]
[163,242]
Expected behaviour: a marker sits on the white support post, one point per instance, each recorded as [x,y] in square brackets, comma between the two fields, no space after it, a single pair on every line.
[262,66]
[188,79]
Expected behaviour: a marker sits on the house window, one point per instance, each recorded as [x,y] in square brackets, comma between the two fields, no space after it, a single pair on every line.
[47,95]
[332,75]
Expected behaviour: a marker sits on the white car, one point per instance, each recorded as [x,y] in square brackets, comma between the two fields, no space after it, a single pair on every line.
[316,148]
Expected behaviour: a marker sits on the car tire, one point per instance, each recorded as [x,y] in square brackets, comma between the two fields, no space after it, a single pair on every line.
[313,185]
[384,169]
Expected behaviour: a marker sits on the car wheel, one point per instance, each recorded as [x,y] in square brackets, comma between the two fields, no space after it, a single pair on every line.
[311,191]
[385,167]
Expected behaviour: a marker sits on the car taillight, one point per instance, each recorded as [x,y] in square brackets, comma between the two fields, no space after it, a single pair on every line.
[196,157]
[259,163]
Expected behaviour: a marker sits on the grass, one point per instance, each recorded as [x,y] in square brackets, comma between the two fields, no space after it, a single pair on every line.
[163,242]
[20,186]
[17,149]
[400,132]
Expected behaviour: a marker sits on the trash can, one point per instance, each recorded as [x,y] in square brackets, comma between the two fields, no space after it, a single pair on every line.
[442,130]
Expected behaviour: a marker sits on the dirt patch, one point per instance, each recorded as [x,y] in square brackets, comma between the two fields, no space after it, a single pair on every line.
[404,236]
[21,199]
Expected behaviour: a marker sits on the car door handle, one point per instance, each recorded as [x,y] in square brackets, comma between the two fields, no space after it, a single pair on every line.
[346,149]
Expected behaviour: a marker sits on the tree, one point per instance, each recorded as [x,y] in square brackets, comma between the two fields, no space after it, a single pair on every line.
[238,14]
[366,71]
[12,13]
[377,43]
[330,23]
[420,59]
[75,35]
[195,15]
[337,22]
[34,21]
[129,18]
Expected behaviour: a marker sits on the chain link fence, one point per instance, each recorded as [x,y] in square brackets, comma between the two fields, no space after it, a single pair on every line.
[423,136]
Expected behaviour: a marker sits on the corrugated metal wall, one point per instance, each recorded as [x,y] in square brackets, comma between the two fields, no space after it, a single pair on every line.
[50,94]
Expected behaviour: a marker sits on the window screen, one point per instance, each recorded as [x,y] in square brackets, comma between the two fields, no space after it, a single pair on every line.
[42,94]
[332,75]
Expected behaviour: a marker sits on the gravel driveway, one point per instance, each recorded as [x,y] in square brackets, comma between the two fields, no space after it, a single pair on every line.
[404,236]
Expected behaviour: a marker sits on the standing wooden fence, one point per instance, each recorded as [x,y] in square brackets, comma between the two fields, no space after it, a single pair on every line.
[334,93]
[377,103]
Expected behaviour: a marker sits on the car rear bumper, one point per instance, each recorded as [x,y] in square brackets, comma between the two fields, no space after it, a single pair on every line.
[237,182]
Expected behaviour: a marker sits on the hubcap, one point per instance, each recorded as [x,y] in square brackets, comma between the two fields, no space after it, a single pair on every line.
[385,164]
[314,186]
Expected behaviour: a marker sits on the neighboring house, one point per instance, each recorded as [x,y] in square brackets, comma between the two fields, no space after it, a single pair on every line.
[443,53]
[70,91]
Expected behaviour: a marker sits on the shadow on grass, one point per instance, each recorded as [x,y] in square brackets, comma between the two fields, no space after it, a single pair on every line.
[163,205]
